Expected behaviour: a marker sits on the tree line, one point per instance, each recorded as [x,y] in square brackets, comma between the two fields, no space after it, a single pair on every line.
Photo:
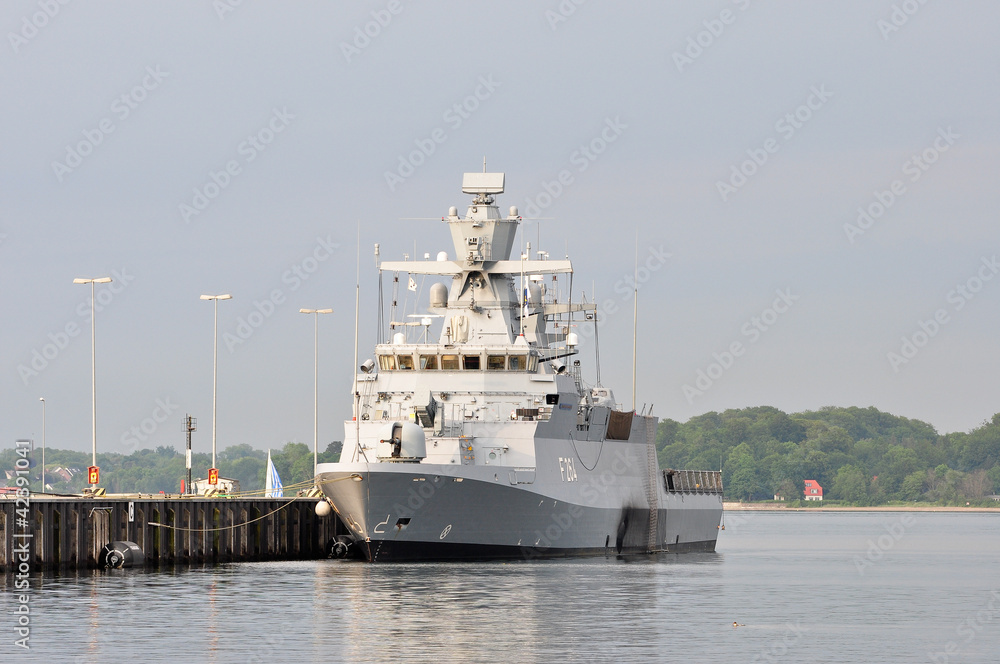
[163,468]
[861,456]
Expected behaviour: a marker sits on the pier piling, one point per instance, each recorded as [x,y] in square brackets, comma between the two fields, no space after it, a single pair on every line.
[69,532]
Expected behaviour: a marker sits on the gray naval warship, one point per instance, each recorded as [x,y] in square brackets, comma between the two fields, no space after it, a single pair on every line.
[487,443]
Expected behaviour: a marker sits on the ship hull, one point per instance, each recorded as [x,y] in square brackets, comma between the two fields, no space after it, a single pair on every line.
[406,512]
[488,442]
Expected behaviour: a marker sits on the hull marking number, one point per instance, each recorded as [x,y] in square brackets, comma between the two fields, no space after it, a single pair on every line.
[567,469]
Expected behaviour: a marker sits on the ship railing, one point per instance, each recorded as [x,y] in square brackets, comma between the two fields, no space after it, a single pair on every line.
[692,481]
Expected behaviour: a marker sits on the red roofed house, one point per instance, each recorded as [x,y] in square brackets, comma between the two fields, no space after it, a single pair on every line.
[813,491]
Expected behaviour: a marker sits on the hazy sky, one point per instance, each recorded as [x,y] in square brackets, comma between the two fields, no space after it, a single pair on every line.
[189,148]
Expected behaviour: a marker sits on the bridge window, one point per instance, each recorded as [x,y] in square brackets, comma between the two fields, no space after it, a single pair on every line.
[428,362]
[516,363]
[471,362]
[495,362]
[386,362]
[405,361]
[449,362]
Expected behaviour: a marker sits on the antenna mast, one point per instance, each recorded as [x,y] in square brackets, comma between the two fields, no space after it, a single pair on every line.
[357,307]
[635,314]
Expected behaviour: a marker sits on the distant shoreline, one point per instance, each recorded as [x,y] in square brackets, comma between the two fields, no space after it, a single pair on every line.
[773,507]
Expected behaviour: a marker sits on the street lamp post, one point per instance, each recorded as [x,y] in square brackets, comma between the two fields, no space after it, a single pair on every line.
[93,358]
[317,312]
[42,399]
[215,361]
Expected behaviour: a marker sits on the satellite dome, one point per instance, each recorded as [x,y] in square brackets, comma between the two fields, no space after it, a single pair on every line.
[439,295]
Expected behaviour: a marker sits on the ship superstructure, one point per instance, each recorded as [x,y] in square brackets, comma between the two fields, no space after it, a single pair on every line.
[487,443]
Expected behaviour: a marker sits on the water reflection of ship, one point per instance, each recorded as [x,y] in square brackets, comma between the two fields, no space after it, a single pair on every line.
[485,443]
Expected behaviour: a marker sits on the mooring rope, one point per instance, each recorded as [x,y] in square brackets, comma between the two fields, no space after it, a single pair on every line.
[202,530]
[260,492]
[237,525]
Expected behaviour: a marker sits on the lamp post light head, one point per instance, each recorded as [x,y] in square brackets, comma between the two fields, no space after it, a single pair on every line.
[96,280]
[225,296]
[315,311]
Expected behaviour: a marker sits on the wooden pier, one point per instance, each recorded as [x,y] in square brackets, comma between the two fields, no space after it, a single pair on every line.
[70,533]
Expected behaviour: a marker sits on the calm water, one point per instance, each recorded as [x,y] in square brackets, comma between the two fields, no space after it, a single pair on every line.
[801,583]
